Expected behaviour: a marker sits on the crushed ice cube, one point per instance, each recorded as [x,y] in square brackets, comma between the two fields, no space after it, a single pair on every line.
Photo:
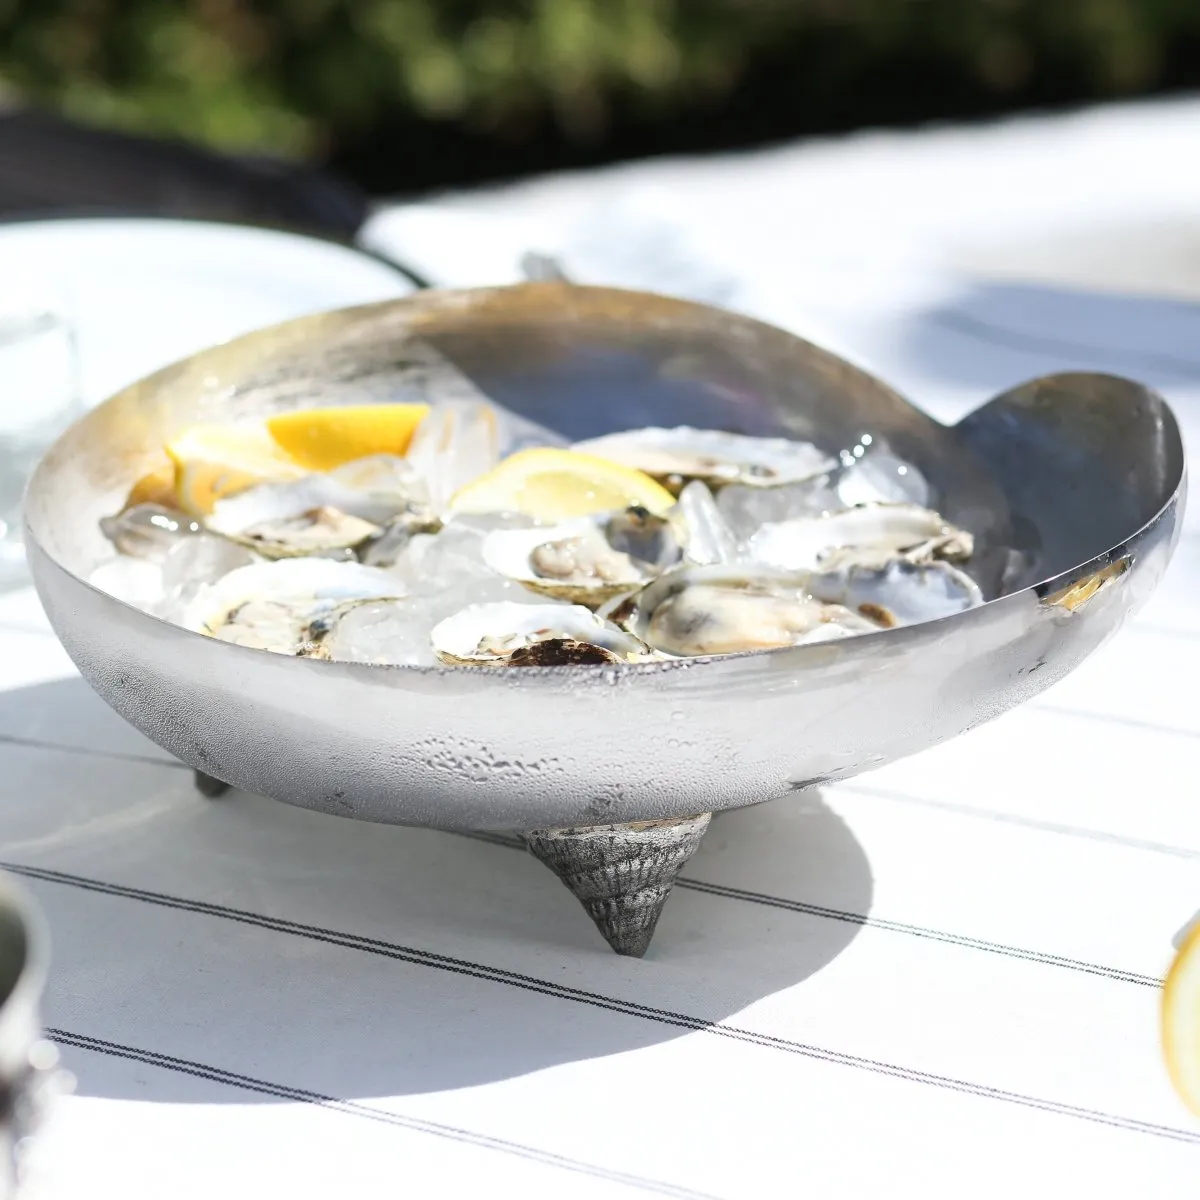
[137,581]
[456,442]
[460,440]
[748,508]
[707,536]
[195,563]
[382,631]
[148,531]
[877,476]
[442,573]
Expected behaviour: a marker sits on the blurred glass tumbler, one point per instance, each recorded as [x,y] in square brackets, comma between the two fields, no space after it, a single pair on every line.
[39,396]
[30,1077]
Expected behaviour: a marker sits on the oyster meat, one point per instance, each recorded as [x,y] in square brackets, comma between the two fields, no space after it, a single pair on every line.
[506,634]
[676,456]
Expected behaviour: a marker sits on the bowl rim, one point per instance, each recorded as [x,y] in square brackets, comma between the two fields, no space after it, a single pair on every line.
[799,654]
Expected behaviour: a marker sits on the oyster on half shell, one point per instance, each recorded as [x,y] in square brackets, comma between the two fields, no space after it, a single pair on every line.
[731,609]
[681,454]
[329,514]
[271,605]
[586,560]
[899,592]
[532,635]
[869,535]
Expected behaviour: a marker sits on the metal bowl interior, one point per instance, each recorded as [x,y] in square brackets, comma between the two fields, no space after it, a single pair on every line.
[1082,474]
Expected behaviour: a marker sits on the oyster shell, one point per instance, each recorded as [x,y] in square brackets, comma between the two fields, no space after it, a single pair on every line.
[869,535]
[325,513]
[506,634]
[676,456]
[576,560]
[899,592]
[727,609]
[272,605]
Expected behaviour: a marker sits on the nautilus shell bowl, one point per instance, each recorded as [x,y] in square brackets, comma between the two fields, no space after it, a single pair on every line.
[1072,486]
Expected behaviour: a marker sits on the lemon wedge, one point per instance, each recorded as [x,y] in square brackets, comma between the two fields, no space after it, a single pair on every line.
[555,485]
[212,461]
[155,487]
[324,438]
[1181,1020]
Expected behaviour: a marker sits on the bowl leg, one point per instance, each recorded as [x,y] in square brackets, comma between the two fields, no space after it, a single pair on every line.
[621,874]
[209,786]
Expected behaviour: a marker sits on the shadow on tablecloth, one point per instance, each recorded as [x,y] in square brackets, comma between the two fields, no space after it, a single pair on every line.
[995,335]
[355,960]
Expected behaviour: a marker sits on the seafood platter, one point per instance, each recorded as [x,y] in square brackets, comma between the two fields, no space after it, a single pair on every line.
[586,564]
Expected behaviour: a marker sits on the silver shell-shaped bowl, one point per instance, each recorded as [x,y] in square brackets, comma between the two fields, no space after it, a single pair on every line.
[1073,486]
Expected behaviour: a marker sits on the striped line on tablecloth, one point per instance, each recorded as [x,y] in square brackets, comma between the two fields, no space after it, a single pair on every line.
[355,1108]
[689,883]
[529,983]
[856,788]
[806,908]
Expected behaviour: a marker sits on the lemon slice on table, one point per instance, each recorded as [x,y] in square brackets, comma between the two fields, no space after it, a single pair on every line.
[1181,1020]
[554,485]
[324,438]
[212,461]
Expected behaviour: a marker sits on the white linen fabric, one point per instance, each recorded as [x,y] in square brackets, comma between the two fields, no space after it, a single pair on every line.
[940,979]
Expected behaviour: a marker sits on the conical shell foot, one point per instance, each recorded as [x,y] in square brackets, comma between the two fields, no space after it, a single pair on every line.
[621,874]
[209,785]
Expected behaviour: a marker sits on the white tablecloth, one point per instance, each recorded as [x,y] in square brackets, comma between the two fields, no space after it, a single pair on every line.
[938,980]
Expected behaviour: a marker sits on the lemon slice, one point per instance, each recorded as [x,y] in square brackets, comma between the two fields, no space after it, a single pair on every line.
[1181,1020]
[554,485]
[155,487]
[212,461]
[324,438]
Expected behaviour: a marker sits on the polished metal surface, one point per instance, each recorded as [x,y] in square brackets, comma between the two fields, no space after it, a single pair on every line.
[28,1063]
[1082,474]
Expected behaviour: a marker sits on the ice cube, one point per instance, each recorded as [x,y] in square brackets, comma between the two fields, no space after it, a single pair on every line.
[148,531]
[880,477]
[746,509]
[457,441]
[137,581]
[707,535]
[197,562]
[382,631]
[397,631]
[460,440]
[441,573]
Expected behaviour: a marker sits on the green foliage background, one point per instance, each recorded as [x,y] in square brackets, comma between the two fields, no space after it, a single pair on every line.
[299,75]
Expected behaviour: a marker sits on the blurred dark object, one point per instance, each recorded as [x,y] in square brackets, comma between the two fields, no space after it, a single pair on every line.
[409,95]
[49,166]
